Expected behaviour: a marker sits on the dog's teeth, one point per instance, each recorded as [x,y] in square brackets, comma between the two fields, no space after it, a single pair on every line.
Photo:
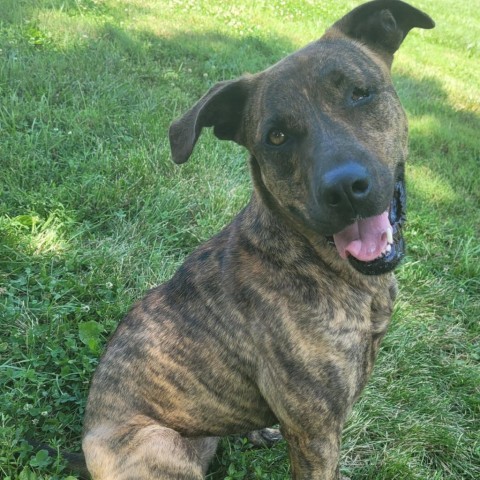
[389,235]
[389,248]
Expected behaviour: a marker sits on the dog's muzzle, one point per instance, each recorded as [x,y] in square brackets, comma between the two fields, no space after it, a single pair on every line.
[375,245]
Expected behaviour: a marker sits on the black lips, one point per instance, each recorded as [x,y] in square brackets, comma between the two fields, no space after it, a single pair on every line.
[397,217]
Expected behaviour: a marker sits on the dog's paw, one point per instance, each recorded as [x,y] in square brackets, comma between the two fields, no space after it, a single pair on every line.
[266,437]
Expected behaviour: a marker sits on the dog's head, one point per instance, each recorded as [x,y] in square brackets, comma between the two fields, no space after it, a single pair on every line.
[326,133]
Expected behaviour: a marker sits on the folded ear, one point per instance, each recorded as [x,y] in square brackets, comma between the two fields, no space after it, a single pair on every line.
[221,108]
[383,24]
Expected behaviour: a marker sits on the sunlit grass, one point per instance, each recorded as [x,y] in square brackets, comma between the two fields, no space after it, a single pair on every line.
[431,187]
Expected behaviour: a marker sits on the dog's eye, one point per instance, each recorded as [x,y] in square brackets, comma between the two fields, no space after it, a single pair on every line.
[359,94]
[276,137]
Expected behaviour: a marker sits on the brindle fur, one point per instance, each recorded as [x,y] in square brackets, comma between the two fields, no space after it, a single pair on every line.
[264,323]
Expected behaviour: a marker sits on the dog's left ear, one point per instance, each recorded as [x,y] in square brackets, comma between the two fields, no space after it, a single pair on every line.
[382,25]
[221,108]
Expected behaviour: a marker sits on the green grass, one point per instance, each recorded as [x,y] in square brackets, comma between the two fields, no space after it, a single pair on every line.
[93,212]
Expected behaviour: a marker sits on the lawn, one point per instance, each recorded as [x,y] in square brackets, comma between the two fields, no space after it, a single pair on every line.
[93,213]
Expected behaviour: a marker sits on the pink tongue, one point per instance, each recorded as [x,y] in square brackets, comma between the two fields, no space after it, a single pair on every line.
[366,239]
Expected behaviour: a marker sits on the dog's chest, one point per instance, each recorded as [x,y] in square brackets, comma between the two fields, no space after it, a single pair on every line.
[339,330]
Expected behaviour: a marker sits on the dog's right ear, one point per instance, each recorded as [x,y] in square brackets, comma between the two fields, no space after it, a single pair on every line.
[221,108]
[382,25]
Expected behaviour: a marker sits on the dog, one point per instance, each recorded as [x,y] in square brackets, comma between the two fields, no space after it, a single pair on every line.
[278,318]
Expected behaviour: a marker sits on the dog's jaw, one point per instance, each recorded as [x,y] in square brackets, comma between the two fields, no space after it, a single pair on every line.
[396,252]
[393,250]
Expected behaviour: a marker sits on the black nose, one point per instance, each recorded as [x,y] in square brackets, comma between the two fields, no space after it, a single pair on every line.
[346,186]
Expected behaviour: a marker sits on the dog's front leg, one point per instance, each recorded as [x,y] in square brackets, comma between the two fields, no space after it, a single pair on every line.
[311,400]
[314,457]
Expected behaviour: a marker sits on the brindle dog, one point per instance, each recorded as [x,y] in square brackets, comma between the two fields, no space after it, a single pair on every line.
[279,317]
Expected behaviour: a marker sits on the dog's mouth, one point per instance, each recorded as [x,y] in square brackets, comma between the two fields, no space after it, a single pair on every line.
[375,245]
